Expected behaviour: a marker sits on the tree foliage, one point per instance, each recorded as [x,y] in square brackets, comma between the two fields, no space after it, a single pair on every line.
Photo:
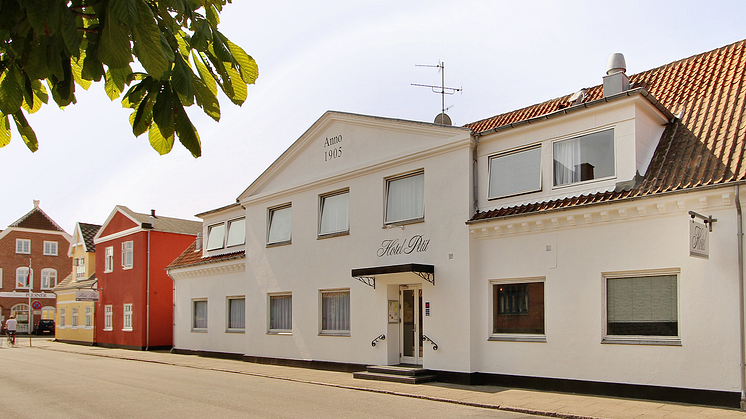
[67,43]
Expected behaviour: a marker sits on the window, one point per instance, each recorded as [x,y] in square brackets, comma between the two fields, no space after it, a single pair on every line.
[50,248]
[405,198]
[23,246]
[279,225]
[335,312]
[79,264]
[515,173]
[109,259]
[215,236]
[1,281]
[518,308]
[127,317]
[281,313]
[584,158]
[74,322]
[22,278]
[236,313]
[335,214]
[62,317]
[642,307]
[236,232]
[88,317]
[199,315]
[108,317]
[127,255]
[48,278]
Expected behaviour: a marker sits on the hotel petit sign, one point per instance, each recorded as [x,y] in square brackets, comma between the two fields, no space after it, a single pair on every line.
[699,239]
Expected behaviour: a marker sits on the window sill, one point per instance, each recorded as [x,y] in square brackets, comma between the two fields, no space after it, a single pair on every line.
[345,333]
[283,333]
[126,268]
[199,330]
[237,331]
[126,330]
[582,182]
[105,330]
[517,338]
[285,243]
[493,198]
[330,235]
[393,224]
[639,340]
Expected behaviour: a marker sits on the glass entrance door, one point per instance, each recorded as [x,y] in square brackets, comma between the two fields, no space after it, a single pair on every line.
[411,324]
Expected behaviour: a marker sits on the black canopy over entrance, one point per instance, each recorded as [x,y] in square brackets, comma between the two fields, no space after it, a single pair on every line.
[368,275]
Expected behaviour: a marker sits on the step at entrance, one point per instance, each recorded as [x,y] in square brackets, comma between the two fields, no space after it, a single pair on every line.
[396,373]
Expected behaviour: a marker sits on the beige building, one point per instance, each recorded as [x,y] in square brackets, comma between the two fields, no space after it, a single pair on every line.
[75,306]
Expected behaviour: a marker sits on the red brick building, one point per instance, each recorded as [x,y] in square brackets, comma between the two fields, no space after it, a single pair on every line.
[135,307]
[34,240]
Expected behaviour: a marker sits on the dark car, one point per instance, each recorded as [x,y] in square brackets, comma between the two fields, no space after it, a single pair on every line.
[45,326]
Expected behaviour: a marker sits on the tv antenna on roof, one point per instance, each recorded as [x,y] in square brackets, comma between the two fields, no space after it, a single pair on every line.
[442,118]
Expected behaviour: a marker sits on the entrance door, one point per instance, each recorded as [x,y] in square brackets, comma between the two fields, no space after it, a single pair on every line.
[410,324]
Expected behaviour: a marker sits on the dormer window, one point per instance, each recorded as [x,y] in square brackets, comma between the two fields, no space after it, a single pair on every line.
[588,157]
[215,236]
[515,172]
[236,232]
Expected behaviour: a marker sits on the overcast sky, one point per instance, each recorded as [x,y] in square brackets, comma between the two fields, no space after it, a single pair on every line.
[351,56]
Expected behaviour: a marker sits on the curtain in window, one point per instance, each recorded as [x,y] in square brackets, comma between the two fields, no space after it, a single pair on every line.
[279,225]
[236,313]
[406,198]
[281,312]
[200,314]
[335,307]
[215,237]
[236,232]
[515,173]
[642,306]
[567,160]
[335,213]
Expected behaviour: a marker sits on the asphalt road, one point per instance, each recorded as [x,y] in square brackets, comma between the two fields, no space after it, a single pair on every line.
[36,383]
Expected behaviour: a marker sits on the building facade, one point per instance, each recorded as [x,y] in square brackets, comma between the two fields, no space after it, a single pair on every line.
[135,306]
[590,243]
[76,293]
[35,244]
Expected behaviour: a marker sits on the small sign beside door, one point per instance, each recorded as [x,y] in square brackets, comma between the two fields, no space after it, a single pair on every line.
[393,311]
[699,239]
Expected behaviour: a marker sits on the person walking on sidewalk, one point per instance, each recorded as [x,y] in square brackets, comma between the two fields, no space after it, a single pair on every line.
[10,329]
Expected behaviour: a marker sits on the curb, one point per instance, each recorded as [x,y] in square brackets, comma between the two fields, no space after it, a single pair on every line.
[343,386]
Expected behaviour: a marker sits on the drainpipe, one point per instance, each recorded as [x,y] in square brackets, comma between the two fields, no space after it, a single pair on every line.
[739,223]
[476,175]
[147,299]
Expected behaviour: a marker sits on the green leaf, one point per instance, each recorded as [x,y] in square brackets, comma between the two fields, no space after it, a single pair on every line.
[161,144]
[93,68]
[188,135]
[163,111]
[114,47]
[69,31]
[114,83]
[43,15]
[206,99]
[147,47]
[4,130]
[28,134]
[212,15]
[144,115]
[40,92]
[208,78]
[126,11]
[11,93]
[78,72]
[181,79]
[240,92]
[136,93]
[247,65]
[36,64]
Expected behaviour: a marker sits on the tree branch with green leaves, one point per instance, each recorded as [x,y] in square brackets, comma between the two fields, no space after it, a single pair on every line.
[55,45]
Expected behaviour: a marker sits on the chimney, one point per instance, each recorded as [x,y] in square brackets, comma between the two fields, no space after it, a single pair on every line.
[616,80]
[198,242]
[36,203]
[152,213]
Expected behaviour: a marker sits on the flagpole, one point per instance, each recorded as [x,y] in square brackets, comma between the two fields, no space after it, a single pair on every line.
[30,313]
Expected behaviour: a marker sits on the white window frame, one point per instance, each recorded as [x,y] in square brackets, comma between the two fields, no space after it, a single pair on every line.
[195,327]
[515,337]
[416,218]
[88,317]
[23,246]
[579,137]
[239,223]
[270,219]
[79,264]
[493,160]
[50,248]
[228,318]
[128,254]
[74,320]
[1,278]
[641,339]
[108,317]
[109,259]
[322,214]
[334,331]
[62,317]
[27,281]
[127,319]
[48,278]
[279,331]
[211,232]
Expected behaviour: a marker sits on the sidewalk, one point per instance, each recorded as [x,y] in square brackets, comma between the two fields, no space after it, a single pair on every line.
[559,405]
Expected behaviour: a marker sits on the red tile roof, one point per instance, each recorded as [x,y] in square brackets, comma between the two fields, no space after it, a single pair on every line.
[191,257]
[704,147]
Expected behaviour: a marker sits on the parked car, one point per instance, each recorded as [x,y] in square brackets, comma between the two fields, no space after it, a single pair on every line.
[44,326]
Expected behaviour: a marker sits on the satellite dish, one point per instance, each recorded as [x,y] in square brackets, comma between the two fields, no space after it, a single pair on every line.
[443,119]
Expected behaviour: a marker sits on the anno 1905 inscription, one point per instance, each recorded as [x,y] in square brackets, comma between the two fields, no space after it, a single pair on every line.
[333,147]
